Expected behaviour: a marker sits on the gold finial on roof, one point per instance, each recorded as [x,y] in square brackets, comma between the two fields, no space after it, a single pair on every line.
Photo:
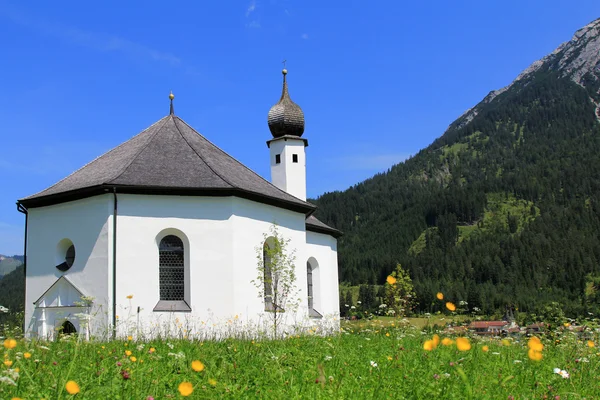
[171,110]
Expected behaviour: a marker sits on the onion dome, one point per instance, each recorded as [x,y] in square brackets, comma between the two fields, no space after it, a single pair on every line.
[286,117]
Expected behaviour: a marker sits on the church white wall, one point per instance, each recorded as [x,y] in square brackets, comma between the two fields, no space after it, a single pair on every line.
[323,248]
[287,175]
[85,223]
[251,221]
[206,224]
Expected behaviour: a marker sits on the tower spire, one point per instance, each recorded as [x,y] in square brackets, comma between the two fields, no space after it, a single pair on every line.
[171,97]
[286,117]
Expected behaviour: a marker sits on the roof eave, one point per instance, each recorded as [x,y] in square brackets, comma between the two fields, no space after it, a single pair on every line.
[78,194]
[328,231]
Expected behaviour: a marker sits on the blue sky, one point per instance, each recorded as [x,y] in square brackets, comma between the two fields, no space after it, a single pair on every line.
[377,80]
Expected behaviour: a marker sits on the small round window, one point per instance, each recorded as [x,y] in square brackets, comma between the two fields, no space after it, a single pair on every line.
[65,255]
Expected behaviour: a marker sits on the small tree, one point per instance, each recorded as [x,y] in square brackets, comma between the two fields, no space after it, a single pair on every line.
[276,279]
[399,292]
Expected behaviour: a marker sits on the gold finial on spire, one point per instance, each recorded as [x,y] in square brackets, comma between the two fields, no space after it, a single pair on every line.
[171,97]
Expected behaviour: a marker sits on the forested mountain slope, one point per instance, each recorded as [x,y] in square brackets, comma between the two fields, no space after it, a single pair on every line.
[502,209]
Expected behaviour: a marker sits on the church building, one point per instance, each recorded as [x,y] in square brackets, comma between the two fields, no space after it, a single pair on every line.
[162,235]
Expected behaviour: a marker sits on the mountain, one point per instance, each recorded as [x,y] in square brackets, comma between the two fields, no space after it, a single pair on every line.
[504,208]
[12,296]
[9,264]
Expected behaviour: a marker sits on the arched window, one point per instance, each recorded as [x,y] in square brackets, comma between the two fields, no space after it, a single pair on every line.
[171,269]
[68,328]
[313,281]
[267,278]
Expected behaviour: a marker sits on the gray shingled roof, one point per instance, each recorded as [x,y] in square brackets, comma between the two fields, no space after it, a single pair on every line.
[169,157]
[313,224]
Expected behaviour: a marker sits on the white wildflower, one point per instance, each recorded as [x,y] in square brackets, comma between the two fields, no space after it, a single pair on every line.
[517,361]
[177,355]
[562,373]
[327,358]
[373,364]
[7,380]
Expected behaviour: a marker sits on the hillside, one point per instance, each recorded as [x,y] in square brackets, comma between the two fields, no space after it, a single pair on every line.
[9,264]
[504,208]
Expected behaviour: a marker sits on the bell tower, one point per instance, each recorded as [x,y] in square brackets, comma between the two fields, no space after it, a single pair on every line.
[287,148]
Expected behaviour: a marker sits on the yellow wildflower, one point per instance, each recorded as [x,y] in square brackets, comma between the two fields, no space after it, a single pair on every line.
[436,340]
[130,296]
[428,345]
[534,355]
[590,343]
[152,350]
[130,338]
[463,344]
[450,306]
[505,342]
[535,344]
[440,296]
[133,359]
[197,366]
[185,388]
[10,343]
[27,355]
[391,280]
[128,353]
[485,349]
[447,341]
[212,382]
[8,363]
[72,387]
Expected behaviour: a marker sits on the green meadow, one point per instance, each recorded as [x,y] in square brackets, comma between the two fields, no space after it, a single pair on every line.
[375,360]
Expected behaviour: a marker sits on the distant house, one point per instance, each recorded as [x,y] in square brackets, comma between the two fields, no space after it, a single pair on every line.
[492,327]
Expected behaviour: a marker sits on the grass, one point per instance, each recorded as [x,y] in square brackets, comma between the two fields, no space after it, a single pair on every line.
[382,360]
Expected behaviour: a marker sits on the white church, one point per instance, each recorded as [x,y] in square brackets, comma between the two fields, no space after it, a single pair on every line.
[160,236]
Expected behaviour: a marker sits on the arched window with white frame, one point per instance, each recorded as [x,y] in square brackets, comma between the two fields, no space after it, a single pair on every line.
[172,274]
[313,280]
[267,277]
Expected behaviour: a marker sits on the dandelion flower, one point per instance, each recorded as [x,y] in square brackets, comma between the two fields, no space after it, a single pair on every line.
[10,344]
[27,355]
[450,306]
[440,296]
[130,296]
[535,355]
[133,359]
[185,388]
[212,382]
[463,344]
[590,343]
[8,363]
[197,366]
[387,334]
[152,350]
[485,349]
[389,358]
[436,340]
[447,341]
[130,338]
[428,345]
[391,280]
[72,387]
[505,342]
[128,353]
[535,344]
